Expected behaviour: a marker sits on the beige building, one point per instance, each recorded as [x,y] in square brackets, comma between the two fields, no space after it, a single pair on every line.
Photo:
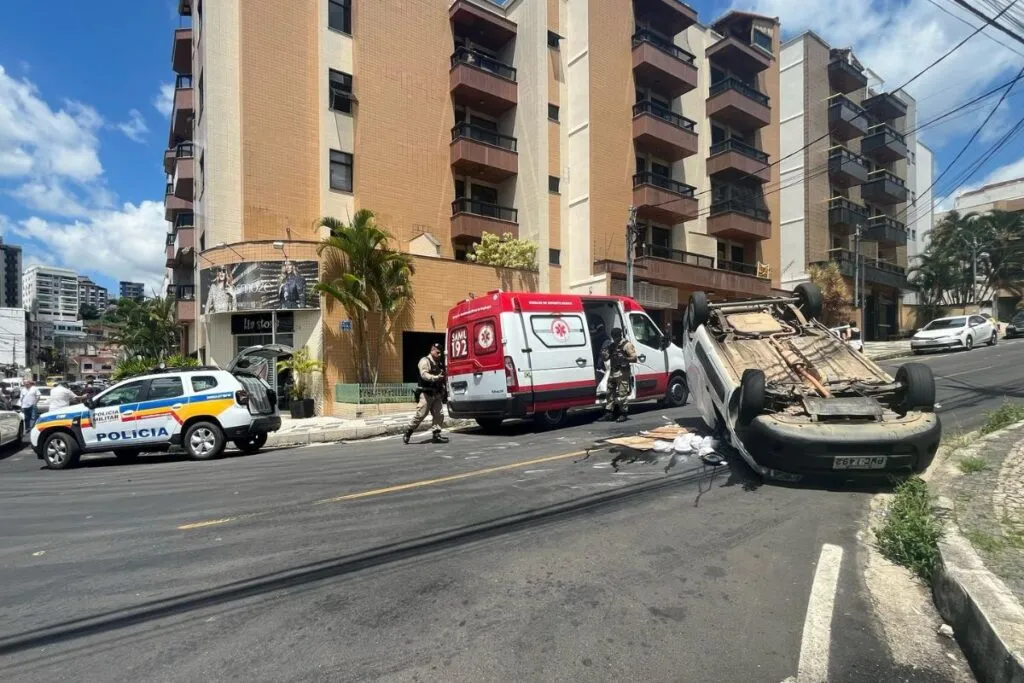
[545,119]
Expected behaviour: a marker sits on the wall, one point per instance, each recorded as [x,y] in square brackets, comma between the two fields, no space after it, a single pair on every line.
[692,236]
[816,180]
[921,223]
[770,249]
[575,116]
[337,129]
[12,336]
[791,105]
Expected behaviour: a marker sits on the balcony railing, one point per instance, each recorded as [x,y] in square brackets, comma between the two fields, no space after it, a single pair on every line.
[738,267]
[739,86]
[664,183]
[184,150]
[845,256]
[486,209]
[740,206]
[185,220]
[886,222]
[663,113]
[464,55]
[669,254]
[889,131]
[183,81]
[846,156]
[645,36]
[735,145]
[470,132]
[182,292]
[882,174]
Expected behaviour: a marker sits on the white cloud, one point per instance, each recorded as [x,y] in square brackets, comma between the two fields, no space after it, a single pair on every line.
[164,100]
[15,162]
[52,198]
[135,127]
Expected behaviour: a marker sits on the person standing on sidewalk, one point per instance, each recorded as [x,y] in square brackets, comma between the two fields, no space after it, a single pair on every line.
[29,400]
[431,395]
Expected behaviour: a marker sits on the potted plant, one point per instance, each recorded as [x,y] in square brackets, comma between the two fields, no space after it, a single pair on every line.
[302,367]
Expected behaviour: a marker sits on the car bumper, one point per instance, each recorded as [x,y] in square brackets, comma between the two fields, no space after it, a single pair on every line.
[504,408]
[258,425]
[909,444]
[929,344]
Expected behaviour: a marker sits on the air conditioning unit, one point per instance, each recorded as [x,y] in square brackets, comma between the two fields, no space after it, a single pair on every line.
[648,295]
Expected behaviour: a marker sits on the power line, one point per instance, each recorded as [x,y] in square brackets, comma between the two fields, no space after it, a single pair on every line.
[967,23]
[992,21]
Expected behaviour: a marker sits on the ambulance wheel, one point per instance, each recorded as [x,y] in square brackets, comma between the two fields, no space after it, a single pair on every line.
[203,441]
[251,444]
[550,419]
[127,454]
[60,451]
[677,394]
[489,425]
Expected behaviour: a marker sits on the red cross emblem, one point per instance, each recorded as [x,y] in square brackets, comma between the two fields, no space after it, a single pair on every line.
[560,330]
[485,337]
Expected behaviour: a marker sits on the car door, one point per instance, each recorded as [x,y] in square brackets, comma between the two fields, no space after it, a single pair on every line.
[981,330]
[155,418]
[561,360]
[111,414]
[651,369]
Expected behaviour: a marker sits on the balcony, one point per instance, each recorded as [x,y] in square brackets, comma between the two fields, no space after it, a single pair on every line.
[885,106]
[672,267]
[884,187]
[886,230]
[185,301]
[875,271]
[884,144]
[670,16]
[846,120]
[174,205]
[472,218]
[184,171]
[740,105]
[739,220]
[845,77]
[483,154]
[181,51]
[184,245]
[482,82]
[660,64]
[662,132]
[734,159]
[738,56]
[845,217]
[846,169]
[486,28]
[662,199]
[738,267]
[182,111]
[170,259]
[185,8]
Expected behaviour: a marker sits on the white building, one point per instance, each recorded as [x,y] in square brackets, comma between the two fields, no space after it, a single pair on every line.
[921,216]
[93,294]
[12,337]
[51,294]
[1005,196]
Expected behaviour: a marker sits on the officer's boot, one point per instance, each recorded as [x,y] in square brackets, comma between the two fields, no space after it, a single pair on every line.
[437,438]
[407,435]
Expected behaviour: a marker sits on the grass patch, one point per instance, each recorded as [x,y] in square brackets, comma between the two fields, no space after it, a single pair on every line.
[957,440]
[910,534]
[984,541]
[971,464]
[1003,416]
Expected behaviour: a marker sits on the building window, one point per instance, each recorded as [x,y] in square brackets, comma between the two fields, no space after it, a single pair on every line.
[339,15]
[553,39]
[341,91]
[553,181]
[763,40]
[553,112]
[341,171]
[555,257]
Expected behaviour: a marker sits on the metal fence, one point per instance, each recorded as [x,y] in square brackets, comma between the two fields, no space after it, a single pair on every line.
[374,393]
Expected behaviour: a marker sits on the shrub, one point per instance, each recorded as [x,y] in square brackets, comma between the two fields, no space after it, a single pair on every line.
[910,534]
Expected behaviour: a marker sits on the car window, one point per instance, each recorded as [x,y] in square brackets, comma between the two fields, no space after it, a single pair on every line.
[556,331]
[946,324]
[119,395]
[644,329]
[977,320]
[165,387]
[204,383]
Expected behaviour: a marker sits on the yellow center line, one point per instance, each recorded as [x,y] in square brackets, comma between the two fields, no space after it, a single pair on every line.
[210,522]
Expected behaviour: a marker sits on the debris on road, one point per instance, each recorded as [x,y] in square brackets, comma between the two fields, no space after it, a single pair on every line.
[946,630]
[677,443]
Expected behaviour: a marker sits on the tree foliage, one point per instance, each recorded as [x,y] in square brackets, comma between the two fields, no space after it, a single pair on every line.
[370,280]
[129,367]
[835,308]
[302,367]
[88,312]
[146,328]
[504,252]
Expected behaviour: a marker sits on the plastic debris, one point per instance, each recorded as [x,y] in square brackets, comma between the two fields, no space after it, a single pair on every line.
[946,630]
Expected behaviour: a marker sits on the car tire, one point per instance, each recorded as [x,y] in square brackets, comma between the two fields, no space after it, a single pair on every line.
[917,388]
[203,441]
[60,451]
[251,444]
[489,425]
[550,419]
[994,339]
[809,299]
[969,343]
[698,309]
[127,454]
[677,394]
[752,396]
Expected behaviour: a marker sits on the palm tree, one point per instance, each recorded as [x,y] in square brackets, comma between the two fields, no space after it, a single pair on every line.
[369,279]
[147,328]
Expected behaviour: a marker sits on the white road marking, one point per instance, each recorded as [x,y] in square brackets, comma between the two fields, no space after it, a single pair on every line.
[817,637]
[966,372]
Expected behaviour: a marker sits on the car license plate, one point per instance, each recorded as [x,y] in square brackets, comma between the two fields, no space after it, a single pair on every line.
[859,462]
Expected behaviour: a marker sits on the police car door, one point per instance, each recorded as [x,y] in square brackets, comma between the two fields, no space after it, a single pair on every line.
[155,419]
[111,414]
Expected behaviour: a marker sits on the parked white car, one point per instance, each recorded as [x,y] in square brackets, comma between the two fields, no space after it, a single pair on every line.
[956,332]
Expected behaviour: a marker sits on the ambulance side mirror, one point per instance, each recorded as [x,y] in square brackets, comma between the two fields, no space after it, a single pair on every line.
[665,342]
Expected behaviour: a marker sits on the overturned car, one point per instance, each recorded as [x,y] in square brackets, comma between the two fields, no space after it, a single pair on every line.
[794,399]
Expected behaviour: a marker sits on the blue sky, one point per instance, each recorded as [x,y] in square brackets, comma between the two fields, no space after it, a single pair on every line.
[82,131]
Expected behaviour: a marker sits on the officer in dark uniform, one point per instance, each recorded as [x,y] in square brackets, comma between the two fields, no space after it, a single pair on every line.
[619,354]
[431,395]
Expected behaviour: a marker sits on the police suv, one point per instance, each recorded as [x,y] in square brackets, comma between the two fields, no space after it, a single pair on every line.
[198,409]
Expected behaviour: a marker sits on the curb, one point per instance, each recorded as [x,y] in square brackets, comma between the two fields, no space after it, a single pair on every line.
[890,356]
[354,433]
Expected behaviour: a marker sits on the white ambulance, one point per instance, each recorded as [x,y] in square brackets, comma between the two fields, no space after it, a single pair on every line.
[520,355]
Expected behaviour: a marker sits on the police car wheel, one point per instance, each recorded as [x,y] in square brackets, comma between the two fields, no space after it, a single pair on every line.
[203,441]
[127,454]
[60,451]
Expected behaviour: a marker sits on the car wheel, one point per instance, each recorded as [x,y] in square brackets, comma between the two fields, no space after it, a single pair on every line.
[751,396]
[698,306]
[809,299]
[916,388]
[204,441]
[251,444]
[678,392]
[60,451]
[127,454]
[969,344]
[489,425]
[994,339]
[551,419]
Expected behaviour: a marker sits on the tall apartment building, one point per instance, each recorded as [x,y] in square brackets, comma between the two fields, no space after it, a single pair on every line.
[51,294]
[543,119]
[93,294]
[10,276]
[921,216]
[132,290]
[850,176]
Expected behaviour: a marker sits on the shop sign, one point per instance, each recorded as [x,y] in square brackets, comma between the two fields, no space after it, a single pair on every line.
[259,286]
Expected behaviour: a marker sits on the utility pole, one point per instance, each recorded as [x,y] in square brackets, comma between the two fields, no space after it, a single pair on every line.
[631,235]
[857,268]
[974,270]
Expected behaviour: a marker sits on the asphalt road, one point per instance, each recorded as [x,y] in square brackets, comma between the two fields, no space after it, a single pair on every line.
[491,558]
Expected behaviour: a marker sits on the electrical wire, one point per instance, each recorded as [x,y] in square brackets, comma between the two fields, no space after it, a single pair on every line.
[967,23]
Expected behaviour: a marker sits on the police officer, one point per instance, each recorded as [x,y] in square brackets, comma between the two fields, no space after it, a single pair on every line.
[618,353]
[431,395]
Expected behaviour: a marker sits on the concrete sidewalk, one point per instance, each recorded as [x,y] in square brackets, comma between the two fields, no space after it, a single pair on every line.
[332,429]
[877,351]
